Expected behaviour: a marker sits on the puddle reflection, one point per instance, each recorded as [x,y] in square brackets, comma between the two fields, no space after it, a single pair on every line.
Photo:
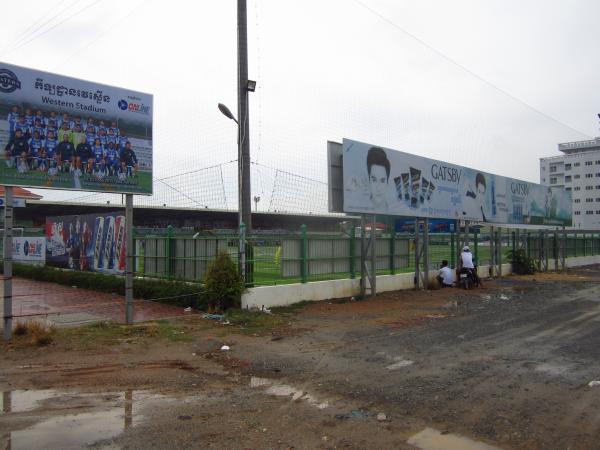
[106,416]
[285,390]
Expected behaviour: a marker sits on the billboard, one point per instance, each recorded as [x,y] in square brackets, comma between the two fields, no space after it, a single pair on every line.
[377,180]
[64,133]
[90,242]
[29,249]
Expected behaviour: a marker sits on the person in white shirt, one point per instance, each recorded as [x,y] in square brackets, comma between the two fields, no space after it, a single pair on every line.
[445,275]
[466,257]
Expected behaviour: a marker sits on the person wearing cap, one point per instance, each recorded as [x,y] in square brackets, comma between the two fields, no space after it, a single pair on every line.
[466,258]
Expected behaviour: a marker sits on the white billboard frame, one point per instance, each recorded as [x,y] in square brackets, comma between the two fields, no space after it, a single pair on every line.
[100,170]
[379,180]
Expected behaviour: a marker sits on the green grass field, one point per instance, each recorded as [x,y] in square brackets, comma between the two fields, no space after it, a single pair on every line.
[141,183]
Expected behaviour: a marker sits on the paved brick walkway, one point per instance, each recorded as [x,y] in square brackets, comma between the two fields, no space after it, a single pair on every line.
[65,305]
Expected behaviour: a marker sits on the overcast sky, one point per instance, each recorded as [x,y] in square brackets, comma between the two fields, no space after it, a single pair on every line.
[447,80]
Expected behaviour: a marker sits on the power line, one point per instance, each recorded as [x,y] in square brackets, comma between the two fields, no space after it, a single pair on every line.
[30,29]
[464,68]
[47,30]
[101,35]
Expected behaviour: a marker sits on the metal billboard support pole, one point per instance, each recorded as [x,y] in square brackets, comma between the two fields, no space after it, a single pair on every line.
[492,269]
[373,277]
[7,280]
[563,258]
[426,253]
[129,259]
[363,257]
[417,256]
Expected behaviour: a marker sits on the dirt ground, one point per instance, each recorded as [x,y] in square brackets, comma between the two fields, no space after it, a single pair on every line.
[506,366]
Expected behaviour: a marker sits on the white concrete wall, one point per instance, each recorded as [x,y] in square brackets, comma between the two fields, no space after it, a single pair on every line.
[287,294]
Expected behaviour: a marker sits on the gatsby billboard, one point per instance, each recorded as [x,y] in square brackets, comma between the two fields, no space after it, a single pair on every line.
[383,181]
[65,133]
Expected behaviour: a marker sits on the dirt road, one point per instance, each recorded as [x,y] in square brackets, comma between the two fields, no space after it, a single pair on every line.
[507,366]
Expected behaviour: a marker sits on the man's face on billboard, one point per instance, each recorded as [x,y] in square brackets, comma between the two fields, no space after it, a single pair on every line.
[378,183]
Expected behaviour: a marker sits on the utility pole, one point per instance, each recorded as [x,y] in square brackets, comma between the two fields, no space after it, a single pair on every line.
[244,195]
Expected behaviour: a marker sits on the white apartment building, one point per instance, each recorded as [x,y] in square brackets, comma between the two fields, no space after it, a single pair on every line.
[578,171]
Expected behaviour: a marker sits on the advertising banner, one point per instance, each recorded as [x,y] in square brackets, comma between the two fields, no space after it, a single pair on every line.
[31,250]
[91,242]
[383,181]
[64,133]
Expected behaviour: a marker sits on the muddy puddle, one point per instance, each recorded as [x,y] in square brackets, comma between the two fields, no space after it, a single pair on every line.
[273,387]
[432,439]
[52,419]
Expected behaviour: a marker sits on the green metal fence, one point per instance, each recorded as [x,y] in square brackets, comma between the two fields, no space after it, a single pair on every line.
[304,256]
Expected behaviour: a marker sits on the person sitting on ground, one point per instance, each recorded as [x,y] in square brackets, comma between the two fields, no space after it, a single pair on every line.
[445,275]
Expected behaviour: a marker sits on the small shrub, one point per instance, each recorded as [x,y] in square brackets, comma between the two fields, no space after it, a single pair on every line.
[521,263]
[223,284]
[39,333]
[20,329]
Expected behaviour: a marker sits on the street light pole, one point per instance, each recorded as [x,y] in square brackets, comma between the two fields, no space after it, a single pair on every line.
[244,195]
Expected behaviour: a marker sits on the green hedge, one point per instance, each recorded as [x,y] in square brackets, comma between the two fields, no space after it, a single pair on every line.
[186,294]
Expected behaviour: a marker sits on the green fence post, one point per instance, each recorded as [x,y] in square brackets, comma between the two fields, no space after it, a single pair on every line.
[476,246]
[168,251]
[452,251]
[584,245]
[514,247]
[393,253]
[303,254]
[352,251]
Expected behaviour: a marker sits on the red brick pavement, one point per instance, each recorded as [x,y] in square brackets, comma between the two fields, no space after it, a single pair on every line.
[31,298]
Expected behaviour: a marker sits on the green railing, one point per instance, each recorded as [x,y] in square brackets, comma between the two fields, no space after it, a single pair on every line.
[303,256]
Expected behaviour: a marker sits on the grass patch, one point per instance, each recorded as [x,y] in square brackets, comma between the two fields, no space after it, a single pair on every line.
[290,309]
[105,333]
[254,321]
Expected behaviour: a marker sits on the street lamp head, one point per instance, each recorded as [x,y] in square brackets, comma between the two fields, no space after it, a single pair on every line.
[251,85]
[225,110]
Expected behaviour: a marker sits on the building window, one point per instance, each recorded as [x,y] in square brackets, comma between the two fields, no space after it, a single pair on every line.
[567,166]
[589,175]
[598,199]
[577,177]
[577,200]
[589,188]
[552,180]
[567,178]
[589,163]
[589,213]
[577,188]
[598,162]
[576,213]
[598,174]
[589,200]
[576,164]
[552,169]
[597,212]
[568,189]
[598,187]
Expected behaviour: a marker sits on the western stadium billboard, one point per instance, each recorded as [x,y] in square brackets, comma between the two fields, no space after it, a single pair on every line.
[59,132]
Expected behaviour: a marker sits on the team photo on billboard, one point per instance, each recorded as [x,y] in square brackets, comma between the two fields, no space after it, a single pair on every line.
[64,133]
[383,181]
